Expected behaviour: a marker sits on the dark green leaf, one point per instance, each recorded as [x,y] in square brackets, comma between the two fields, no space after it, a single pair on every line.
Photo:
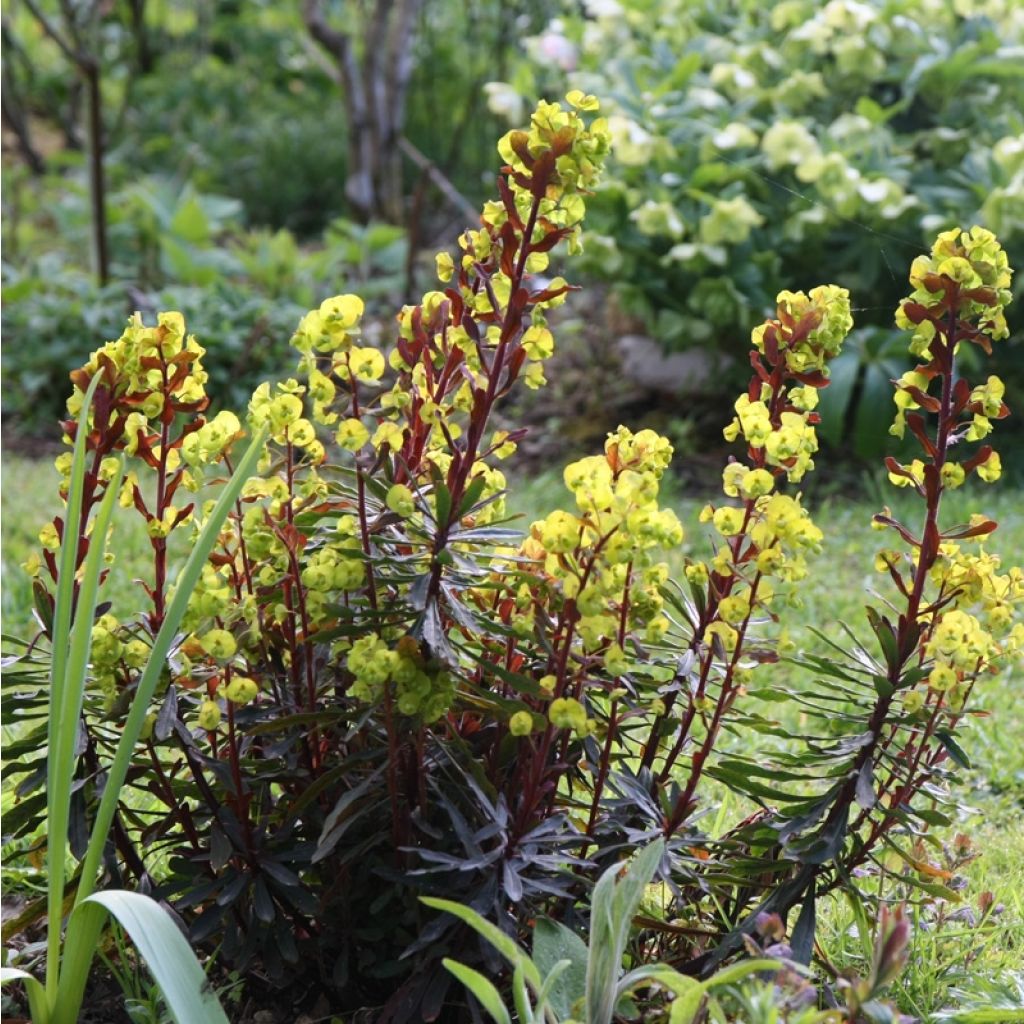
[472,495]
[167,715]
[953,748]
[443,502]
[802,940]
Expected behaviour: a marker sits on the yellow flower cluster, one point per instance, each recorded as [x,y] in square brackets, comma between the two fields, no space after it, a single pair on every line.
[808,329]
[114,650]
[333,568]
[281,408]
[561,138]
[139,357]
[207,444]
[154,373]
[976,582]
[211,655]
[978,264]
[966,278]
[154,377]
[959,644]
[984,405]
[212,598]
[379,423]
[789,446]
[329,329]
[334,365]
[418,690]
[766,536]
[233,687]
[594,556]
[779,529]
[779,425]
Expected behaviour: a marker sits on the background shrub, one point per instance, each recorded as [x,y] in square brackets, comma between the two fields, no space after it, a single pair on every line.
[756,143]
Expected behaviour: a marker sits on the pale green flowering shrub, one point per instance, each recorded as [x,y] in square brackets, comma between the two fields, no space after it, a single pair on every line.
[754,143]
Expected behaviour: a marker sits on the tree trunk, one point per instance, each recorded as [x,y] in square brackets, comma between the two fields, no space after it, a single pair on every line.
[16,122]
[85,61]
[14,110]
[143,51]
[97,184]
[374,92]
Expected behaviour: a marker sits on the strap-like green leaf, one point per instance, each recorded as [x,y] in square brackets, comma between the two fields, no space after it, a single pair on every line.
[33,988]
[486,994]
[61,774]
[737,972]
[171,961]
[83,930]
[184,586]
[58,796]
[503,943]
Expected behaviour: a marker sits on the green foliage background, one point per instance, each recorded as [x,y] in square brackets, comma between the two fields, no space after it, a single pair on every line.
[225,168]
[757,144]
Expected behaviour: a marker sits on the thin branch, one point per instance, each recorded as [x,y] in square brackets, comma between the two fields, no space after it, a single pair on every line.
[441,182]
[337,44]
[47,26]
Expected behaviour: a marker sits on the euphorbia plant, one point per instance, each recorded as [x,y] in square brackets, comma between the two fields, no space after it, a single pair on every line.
[611,626]
[949,623]
[766,537]
[381,689]
[318,655]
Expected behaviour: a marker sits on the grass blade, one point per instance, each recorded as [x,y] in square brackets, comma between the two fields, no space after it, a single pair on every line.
[58,796]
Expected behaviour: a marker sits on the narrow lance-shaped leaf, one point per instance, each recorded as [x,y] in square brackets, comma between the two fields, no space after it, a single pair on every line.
[503,943]
[61,636]
[614,904]
[483,989]
[72,696]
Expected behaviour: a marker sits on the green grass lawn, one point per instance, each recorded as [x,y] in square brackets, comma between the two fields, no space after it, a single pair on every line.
[28,500]
[841,579]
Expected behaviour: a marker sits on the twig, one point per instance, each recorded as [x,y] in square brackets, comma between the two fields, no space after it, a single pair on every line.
[437,177]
